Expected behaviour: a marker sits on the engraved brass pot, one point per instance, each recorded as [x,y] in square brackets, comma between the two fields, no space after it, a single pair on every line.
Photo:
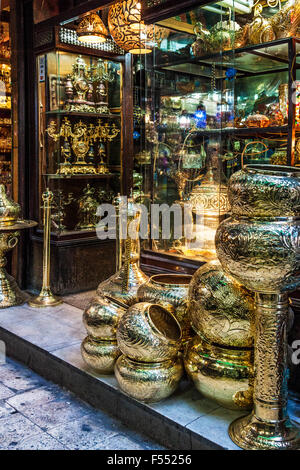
[259,246]
[149,333]
[171,292]
[148,382]
[101,356]
[221,374]
[101,318]
[220,308]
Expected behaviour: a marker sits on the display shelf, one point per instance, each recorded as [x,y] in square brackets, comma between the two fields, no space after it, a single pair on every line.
[80,177]
[80,114]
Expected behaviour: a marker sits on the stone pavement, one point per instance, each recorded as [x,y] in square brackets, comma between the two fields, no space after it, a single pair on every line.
[38,415]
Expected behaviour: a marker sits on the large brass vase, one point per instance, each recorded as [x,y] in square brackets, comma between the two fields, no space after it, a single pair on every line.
[171,292]
[259,246]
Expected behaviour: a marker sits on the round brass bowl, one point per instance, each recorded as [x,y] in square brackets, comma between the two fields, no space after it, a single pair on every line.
[221,309]
[265,191]
[149,333]
[220,374]
[148,382]
[171,292]
[101,318]
[100,355]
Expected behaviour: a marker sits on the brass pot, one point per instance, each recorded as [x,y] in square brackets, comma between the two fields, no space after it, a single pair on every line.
[259,245]
[171,292]
[148,382]
[102,317]
[221,374]
[100,355]
[220,308]
[149,333]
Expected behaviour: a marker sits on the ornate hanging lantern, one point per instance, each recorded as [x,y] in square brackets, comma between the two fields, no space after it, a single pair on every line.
[91,29]
[129,31]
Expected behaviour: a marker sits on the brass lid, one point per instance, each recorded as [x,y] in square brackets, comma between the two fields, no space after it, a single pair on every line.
[9,210]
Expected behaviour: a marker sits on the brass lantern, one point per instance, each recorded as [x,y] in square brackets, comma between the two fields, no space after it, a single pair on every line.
[91,29]
[128,30]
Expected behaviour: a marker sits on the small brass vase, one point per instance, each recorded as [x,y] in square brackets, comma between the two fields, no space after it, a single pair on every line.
[259,246]
[148,382]
[100,355]
[101,318]
[221,374]
[220,308]
[171,292]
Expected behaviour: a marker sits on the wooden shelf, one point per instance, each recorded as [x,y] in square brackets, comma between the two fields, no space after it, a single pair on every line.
[80,114]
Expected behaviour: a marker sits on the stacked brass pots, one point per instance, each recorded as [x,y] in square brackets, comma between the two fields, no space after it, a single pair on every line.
[219,360]
[259,246]
[171,292]
[100,349]
[150,368]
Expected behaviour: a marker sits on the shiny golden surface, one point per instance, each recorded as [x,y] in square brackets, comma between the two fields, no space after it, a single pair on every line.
[260,246]
[46,297]
[9,210]
[220,308]
[171,292]
[149,333]
[100,355]
[101,318]
[148,382]
[221,374]
[91,29]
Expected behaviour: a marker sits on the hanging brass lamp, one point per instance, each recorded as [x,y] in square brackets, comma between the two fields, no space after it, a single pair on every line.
[91,29]
[129,31]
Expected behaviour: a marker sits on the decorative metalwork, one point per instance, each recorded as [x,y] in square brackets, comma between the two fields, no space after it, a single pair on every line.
[80,138]
[221,310]
[222,374]
[171,292]
[86,88]
[148,382]
[259,246]
[69,36]
[87,209]
[91,29]
[10,227]
[59,204]
[129,31]
[99,355]
[46,298]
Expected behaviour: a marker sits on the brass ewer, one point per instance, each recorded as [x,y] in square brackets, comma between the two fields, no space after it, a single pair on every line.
[46,298]
[10,227]
[259,246]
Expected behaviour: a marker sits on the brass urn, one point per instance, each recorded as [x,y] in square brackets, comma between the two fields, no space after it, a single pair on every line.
[259,246]
[221,374]
[150,368]
[148,382]
[220,308]
[171,292]
[100,355]
[10,226]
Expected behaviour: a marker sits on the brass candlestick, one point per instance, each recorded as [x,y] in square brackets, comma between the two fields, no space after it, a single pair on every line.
[46,298]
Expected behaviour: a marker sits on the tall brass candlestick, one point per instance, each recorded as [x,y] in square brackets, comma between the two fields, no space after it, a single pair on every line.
[46,298]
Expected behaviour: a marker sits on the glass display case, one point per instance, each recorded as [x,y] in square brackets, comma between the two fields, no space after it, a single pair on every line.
[220,90]
[80,136]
